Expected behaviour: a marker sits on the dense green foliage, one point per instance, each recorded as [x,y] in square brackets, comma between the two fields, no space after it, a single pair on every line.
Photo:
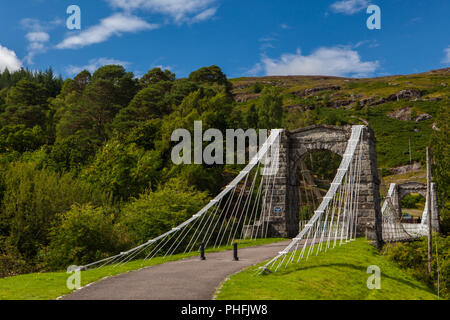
[85,164]
[155,212]
[411,201]
[85,234]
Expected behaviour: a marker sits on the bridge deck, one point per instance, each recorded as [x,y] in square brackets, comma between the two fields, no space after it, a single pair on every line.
[191,278]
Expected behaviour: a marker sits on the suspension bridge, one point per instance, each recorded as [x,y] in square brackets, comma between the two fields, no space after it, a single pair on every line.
[263,201]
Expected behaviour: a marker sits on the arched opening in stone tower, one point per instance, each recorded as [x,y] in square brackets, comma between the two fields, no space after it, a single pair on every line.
[412,206]
[315,170]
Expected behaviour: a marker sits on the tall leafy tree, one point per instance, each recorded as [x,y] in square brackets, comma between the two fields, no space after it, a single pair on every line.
[212,76]
[156,75]
[26,104]
[270,111]
[124,170]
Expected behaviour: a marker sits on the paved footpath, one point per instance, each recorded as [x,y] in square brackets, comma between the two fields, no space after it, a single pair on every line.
[188,279]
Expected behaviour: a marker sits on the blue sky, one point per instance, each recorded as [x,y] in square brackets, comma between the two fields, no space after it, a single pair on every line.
[243,37]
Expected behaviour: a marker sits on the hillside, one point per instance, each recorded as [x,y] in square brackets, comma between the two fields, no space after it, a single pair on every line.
[339,274]
[400,109]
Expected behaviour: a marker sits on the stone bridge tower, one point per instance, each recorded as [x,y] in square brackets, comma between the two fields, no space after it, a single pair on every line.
[295,145]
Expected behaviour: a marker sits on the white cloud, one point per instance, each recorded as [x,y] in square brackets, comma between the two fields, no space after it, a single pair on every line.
[38,36]
[204,15]
[36,25]
[256,70]
[349,6]
[447,55]
[163,67]
[8,60]
[94,64]
[180,10]
[333,61]
[37,44]
[114,25]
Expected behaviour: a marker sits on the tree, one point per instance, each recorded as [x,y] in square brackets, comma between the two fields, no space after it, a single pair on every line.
[156,75]
[27,93]
[156,212]
[149,103]
[270,111]
[31,200]
[82,80]
[86,234]
[46,78]
[27,115]
[123,170]
[298,118]
[91,115]
[252,117]
[21,139]
[112,73]
[125,86]
[72,152]
[146,134]
[209,76]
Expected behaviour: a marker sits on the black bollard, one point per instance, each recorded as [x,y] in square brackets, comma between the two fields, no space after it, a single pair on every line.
[235,252]
[202,252]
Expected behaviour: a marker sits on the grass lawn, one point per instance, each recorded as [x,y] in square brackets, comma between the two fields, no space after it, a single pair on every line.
[339,274]
[51,285]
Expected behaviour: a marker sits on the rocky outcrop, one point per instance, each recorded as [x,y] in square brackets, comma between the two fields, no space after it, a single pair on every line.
[408,168]
[403,114]
[405,95]
[246,97]
[423,117]
[311,91]
[341,103]
[401,95]
[435,127]
[299,106]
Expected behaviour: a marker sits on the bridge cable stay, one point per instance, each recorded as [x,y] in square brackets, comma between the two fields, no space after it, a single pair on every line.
[335,220]
[233,215]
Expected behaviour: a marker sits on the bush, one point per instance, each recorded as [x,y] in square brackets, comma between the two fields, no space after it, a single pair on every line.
[31,200]
[11,261]
[86,234]
[21,139]
[413,256]
[257,87]
[72,152]
[155,213]
[124,170]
